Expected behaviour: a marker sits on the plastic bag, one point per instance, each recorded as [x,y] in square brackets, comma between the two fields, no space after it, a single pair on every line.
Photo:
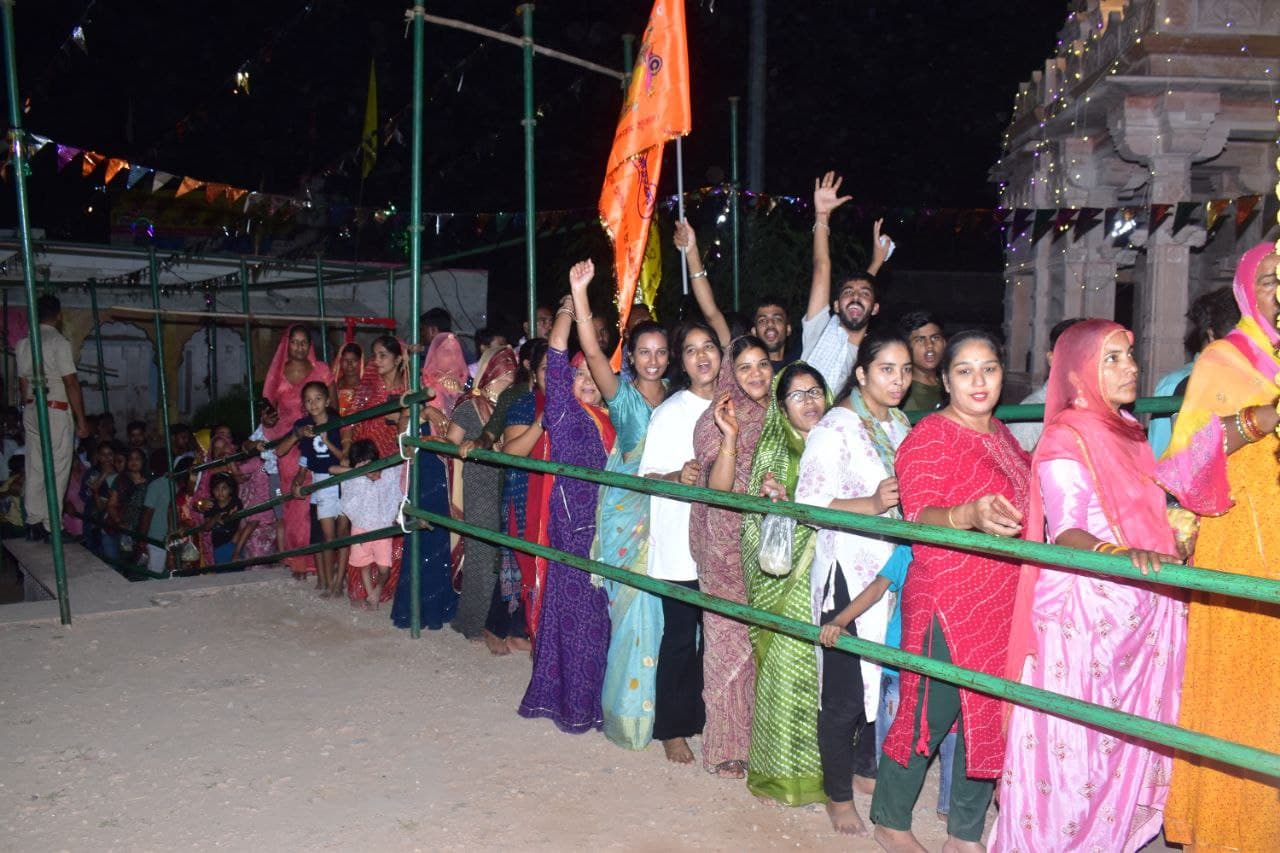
[776,533]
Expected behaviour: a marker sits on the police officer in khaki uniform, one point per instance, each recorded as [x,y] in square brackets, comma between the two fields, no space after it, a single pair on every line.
[66,414]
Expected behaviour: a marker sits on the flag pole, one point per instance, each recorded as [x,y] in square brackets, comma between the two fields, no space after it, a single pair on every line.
[684,260]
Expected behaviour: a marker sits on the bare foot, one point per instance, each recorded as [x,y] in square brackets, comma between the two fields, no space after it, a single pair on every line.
[324,593]
[863,785]
[845,819]
[897,840]
[955,845]
[770,802]
[730,770]
[677,750]
[942,817]
[495,644]
[519,644]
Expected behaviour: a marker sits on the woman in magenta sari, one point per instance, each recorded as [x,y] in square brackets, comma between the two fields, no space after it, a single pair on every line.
[1106,641]
[572,641]
[293,366]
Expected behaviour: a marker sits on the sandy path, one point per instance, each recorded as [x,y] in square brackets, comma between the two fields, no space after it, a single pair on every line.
[260,717]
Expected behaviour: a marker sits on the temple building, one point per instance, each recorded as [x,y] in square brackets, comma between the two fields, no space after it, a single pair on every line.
[1139,164]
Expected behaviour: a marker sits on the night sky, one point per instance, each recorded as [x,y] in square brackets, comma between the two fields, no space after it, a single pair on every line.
[906,99]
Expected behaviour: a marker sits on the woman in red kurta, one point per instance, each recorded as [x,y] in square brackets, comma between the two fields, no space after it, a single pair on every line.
[293,366]
[960,468]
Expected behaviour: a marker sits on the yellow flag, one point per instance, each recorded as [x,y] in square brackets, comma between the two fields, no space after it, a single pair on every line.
[651,269]
[369,139]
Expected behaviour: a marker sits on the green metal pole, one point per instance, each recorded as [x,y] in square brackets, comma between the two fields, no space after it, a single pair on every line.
[733,197]
[8,377]
[628,59]
[415,306]
[154,271]
[391,293]
[324,327]
[38,390]
[1035,411]
[97,340]
[248,345]
[1032,697]
[529,122]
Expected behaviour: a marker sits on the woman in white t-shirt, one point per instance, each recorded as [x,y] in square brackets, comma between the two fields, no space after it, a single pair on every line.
[668,455]
[848,465]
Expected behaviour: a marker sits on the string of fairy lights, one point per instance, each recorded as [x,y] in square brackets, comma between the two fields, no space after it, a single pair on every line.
[1095,44]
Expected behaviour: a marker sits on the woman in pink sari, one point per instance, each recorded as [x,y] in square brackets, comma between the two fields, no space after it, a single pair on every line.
[293,366]
[1114,643]
[445,372]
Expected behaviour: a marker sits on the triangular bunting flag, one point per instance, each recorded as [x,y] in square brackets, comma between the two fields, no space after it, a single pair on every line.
[114,165]
[213,191]
[1043,222]
[1062,222]
[92,159]
[187,185]
[136,174]
[235,194]
[35,144]
[1245,206]
[65,155]
[1182,215]
[1089,218]
[1021,221]
[1159,213]
[159,180]
[1213,211]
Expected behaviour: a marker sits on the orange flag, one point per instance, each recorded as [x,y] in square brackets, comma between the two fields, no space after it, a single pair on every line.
[655,110]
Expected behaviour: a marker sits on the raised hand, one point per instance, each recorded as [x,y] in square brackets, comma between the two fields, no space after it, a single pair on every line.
[879,253]
[580,275]
[685,238]
[826,194]
[726,418]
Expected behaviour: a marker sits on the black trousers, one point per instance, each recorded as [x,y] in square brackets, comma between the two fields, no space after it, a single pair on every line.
[503,622]
[679,711]
[846,741]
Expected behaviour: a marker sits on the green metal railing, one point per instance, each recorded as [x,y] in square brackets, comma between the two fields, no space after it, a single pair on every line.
[1218,749]
[1170,574]
[1035,411]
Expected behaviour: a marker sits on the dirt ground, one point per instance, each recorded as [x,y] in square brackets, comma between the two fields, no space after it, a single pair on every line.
[260,717]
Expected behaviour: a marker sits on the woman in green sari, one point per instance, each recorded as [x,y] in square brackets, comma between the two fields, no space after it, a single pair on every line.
[784,763]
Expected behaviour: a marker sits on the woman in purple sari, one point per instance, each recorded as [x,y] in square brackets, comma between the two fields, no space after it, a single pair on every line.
[572,640]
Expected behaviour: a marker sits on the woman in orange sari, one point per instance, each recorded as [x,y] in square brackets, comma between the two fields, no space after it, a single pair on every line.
[1230,406]
[293,366]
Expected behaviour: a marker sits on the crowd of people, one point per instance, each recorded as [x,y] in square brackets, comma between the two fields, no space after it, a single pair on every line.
[736,404]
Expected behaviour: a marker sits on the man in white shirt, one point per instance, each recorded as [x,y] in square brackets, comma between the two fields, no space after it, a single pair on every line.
[831,330]
[65,404]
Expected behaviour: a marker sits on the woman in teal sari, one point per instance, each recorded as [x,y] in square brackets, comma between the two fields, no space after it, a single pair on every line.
[622,520]
[784,763]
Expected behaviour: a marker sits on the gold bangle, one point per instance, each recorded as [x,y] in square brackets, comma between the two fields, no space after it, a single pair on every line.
[951,522]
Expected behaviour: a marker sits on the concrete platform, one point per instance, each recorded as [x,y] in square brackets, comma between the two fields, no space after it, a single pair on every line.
[95,588]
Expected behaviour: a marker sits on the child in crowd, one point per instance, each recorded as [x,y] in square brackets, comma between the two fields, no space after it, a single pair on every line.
[257,443]
[94,491]
[228,536]
[371,502]
[13,520]
[891,579]
[320,449]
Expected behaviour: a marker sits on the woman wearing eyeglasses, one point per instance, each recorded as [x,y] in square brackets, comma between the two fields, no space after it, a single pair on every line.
[783,763]
[848,464]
